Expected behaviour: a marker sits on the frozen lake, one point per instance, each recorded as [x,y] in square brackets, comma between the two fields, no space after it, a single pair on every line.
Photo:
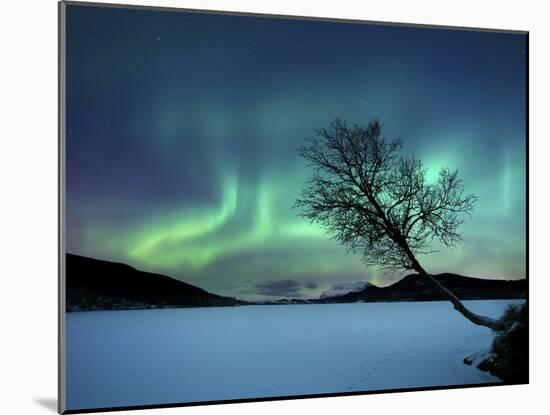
[146,357]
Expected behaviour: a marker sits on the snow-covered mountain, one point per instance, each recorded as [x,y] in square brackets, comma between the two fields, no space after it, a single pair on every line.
[343,288]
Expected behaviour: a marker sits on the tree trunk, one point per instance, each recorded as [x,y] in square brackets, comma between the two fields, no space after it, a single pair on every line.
[461,308]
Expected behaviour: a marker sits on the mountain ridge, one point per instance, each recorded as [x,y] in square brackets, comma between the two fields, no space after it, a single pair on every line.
[414,288]
[93,284]
[343,288]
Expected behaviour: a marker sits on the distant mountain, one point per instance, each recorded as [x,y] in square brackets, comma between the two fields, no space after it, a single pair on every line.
[101,285]
[414,288]
[93,284]
[343,289]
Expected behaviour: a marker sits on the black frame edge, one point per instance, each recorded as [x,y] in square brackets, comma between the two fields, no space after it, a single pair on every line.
[286,398]
[286,16]
[61,110]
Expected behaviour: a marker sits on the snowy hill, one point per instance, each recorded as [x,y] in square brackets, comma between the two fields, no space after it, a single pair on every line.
[344,288]
[414,288]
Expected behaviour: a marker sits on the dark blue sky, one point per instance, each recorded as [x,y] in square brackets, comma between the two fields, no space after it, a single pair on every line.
[183,128]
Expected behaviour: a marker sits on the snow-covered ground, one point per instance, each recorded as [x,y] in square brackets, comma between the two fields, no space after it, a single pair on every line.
[143,357]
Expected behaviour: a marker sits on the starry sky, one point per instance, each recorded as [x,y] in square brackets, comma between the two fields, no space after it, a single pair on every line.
[182,131]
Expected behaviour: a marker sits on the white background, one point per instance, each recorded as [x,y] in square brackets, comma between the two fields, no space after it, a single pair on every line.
[28,204]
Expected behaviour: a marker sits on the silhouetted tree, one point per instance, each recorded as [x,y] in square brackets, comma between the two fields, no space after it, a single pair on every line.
[379,203]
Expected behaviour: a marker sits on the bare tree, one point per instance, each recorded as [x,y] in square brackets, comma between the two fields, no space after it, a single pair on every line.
[380,204]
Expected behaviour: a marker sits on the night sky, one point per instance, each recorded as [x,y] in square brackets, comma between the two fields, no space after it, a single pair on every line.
[182,131]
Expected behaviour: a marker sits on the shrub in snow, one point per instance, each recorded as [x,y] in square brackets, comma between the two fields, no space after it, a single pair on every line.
[509,355]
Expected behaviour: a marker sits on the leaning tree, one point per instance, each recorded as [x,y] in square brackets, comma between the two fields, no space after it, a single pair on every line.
[379,203]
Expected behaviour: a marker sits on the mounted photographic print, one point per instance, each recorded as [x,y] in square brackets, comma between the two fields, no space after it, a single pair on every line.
[258,207]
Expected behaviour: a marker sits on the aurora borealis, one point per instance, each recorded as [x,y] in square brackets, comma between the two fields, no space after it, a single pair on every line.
[182,131]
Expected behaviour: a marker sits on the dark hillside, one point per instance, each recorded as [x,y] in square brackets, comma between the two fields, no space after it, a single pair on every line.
[414,288]
[101,285]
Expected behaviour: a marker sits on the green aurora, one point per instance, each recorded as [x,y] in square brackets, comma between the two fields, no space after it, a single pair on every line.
[181,156]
